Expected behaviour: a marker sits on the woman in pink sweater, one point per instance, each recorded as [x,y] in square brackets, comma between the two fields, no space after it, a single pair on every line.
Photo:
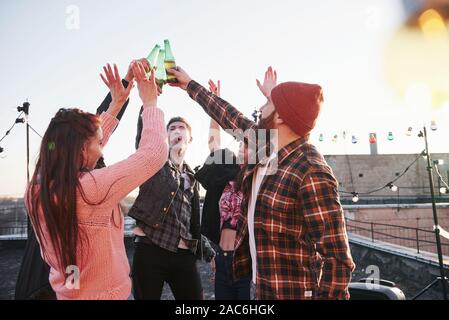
[75,209]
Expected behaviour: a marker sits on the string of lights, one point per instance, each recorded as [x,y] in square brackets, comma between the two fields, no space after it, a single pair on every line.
[390,184]
[371,136]
[372,140]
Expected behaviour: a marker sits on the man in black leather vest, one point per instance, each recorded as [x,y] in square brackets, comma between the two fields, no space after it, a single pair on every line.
[168,233]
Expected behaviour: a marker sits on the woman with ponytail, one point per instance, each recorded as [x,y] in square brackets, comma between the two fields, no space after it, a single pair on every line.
[74,208]
[221,176]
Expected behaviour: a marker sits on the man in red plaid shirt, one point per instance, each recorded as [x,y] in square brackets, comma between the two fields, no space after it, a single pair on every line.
[291,234]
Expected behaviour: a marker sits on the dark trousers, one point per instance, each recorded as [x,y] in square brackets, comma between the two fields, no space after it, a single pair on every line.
[152,266]
[225,287]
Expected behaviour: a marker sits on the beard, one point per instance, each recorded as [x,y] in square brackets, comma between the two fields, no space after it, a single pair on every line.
[267,123]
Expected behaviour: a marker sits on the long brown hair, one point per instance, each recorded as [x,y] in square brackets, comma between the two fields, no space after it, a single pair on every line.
[55,182]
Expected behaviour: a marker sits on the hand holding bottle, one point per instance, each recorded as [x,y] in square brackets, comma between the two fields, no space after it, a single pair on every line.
[182,77]
[269,82]
[146,64]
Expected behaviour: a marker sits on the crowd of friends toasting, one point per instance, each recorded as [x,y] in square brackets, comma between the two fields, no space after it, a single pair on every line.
[267,233]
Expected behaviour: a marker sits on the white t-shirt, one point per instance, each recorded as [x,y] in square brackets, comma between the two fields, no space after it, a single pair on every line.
[256,183]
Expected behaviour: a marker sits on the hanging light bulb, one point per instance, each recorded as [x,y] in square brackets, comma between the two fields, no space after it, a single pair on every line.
[392,187]
[344,135]
[433,125]
[334,139]
[390,136]
[424,154]
[354,140]
[443,190]
[355,197]
[409,131]
[321,137]
[372,138]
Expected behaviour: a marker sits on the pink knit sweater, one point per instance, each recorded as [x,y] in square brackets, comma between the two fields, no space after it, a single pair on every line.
[102,262]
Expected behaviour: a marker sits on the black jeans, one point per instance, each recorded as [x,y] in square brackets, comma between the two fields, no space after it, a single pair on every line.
[152,266]
[225,286]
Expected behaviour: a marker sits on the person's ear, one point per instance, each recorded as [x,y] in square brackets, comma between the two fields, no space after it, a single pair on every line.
[277,119]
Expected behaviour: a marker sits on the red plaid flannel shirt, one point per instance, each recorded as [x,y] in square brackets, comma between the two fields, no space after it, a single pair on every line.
[300,233]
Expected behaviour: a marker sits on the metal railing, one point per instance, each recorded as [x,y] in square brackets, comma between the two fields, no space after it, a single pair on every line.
[414,238]
[13,222]
[18,229]
[14,230]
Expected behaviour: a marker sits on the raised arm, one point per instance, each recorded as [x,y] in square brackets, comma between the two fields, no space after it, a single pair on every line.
[125,81]
[119,94]
[214,140]
[107,101]
[218,109]
[139,128]
[269,82]
[107,186]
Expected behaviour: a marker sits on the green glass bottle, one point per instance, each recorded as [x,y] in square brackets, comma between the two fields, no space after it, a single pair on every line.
[169,62]
[161,75]
[152,57]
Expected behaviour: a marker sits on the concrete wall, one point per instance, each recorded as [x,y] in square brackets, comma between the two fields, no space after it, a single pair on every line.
[410,275]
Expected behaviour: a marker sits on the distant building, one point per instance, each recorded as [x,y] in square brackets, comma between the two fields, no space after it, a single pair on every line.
[364,173]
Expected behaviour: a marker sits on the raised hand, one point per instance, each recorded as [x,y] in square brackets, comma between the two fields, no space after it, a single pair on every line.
[182,76]
[269,82]
[146,64]
[113,81]
[147,87]
[214,88]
